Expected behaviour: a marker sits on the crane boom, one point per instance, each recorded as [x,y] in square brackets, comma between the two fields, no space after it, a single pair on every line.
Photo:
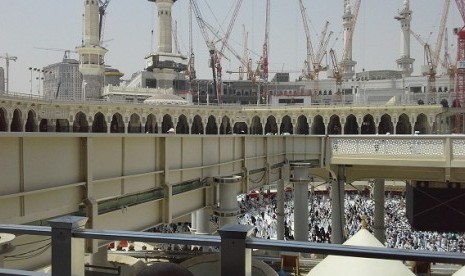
[442,28]
[461,7]
[310,53]
[323,43]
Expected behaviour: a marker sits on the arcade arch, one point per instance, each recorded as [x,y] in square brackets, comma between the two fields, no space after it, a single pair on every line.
[212,127]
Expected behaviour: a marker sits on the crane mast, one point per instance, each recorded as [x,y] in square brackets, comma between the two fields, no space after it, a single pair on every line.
[460,72]
[264,61]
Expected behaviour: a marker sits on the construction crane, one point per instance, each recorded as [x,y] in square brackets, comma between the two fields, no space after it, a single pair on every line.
[191,74]
[460,73]
[215,54]
[103,5]
[429,69]
[432,56]
[66,52]
[175,37]
[313,61]
[335,72]
[264,62]
[7,59]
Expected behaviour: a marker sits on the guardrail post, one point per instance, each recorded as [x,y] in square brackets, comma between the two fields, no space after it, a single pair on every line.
[236,259]
[67,253]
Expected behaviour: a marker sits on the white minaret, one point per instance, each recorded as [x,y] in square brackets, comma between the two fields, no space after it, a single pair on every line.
[405,62]
[91,54]
[165,44]
[164,63]
[347,64]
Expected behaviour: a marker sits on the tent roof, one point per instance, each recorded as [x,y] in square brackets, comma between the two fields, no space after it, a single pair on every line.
[356,266]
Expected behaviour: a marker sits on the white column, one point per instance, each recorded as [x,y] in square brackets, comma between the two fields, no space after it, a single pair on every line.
[280,210]
[203,221]
[228,208]
[300,179]
[337,208]
[379,229]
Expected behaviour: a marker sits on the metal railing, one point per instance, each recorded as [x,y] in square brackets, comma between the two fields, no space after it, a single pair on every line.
[233,240]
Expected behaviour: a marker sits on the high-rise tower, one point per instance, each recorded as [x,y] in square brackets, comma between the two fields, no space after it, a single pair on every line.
[91,54]
[164,63]
[405,62]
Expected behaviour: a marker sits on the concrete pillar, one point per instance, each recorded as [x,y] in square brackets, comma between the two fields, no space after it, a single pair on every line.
[379,229]
[5,246]
[337,208]
[203,221]
[228,208]
[67,252]
[235,258]
[300,179]
[193,222]
[280,210]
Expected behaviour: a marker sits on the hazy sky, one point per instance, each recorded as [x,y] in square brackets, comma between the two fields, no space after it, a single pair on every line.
[57,24]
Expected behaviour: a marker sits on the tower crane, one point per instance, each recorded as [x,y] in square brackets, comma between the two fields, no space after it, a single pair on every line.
[429,69]
[460,73]
[7,59]
[215,54]
[432,56]
[335,72]
[103,5]
[191,74]
[313,62]
[264,63]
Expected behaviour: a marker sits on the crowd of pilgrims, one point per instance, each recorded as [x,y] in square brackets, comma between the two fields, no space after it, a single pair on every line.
[259,210]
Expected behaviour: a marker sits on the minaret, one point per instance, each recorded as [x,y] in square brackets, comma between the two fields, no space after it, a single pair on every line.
[405,62]
[347,64]
[91,54]
[164,63]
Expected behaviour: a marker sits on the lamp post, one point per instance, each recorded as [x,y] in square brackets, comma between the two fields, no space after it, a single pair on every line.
[30,81]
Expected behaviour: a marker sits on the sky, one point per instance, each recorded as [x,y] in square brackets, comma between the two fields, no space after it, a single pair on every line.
[26,25]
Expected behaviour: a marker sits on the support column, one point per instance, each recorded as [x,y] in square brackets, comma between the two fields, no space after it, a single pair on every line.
[228,208]
[300,179]
[379,229]
[67,252]
[337,208]
[280,210]
[235,258]
[203,221]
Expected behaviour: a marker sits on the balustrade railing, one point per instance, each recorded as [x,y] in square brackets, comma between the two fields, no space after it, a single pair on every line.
[234,241]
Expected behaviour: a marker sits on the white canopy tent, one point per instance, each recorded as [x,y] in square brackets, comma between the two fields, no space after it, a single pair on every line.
[355,266]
